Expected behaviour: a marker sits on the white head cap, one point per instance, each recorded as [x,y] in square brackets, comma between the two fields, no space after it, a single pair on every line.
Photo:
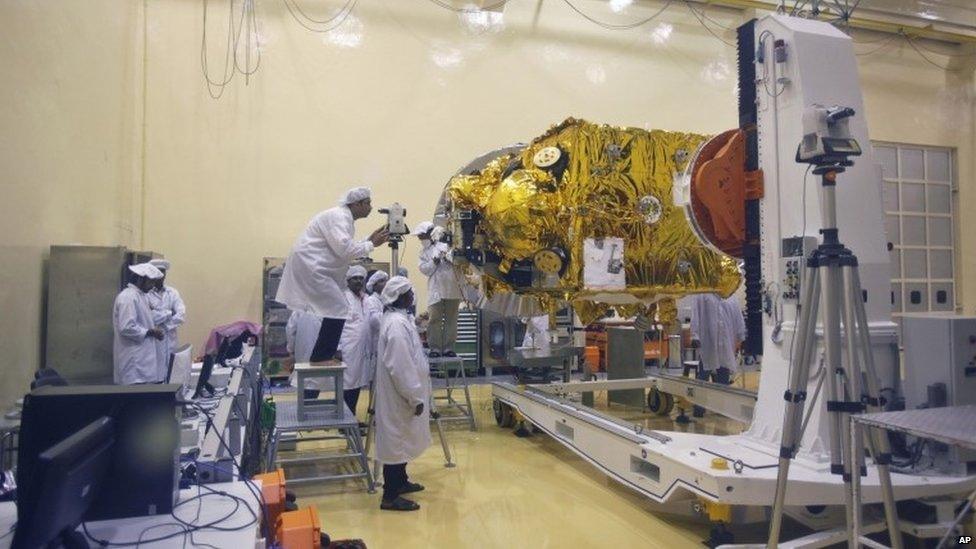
[354,195]
[378,276]
[437,233]
[423,227]
[146,270]
[356,270]
[396,287]
[161,264]
[402,271]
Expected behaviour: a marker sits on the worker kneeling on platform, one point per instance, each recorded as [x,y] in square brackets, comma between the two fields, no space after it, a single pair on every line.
[402,396]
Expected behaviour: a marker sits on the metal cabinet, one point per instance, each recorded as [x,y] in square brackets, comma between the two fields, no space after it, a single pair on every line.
[82,283]
[274,318]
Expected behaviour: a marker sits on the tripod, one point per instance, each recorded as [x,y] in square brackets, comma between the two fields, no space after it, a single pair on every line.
[394,242]
[831,273]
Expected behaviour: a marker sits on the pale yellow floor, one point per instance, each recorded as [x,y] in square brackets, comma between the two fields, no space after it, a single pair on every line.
[507,492]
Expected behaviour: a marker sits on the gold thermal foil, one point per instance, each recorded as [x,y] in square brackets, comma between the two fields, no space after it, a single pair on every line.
[615,182]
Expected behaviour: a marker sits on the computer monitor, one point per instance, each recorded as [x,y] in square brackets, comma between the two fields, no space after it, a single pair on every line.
[143,473]
[203,382]
[68,477]
[181,363]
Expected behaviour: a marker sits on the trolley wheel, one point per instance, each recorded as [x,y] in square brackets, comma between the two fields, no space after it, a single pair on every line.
[659,403]
[503,414]
[668,404]
[719,535]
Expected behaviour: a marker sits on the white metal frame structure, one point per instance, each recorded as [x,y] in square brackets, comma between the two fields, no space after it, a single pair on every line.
[919,188]
[679,470]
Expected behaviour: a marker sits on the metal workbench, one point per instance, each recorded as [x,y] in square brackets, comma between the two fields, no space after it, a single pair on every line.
[953,425]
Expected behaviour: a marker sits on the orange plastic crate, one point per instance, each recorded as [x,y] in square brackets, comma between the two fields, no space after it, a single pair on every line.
[299,529]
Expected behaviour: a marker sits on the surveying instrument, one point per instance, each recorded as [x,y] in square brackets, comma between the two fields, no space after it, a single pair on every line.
[832,296]
[397,227]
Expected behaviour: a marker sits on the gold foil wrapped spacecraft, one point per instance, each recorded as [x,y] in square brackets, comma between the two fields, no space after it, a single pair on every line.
[617,182]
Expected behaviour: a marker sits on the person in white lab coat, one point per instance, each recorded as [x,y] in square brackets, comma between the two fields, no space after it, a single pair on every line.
[354,344]
[402,397]
[301,332]
[134,345]
[375,284]
[169,313]
[443,293]
[537,333]
[314,276]
[374,310]
[717,324]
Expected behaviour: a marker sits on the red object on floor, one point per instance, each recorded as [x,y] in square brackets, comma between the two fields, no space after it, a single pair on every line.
[299,529]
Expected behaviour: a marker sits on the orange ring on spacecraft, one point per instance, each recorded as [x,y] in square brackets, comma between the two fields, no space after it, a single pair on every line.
[720,187]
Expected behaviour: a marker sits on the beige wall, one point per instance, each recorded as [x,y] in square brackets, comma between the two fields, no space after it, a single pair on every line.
[69,142]
[399,100]
[414,100]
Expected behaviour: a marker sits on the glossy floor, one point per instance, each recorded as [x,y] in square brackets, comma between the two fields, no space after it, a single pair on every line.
[508,492]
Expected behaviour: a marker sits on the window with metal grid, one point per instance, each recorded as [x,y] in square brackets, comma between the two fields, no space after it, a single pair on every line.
[918,191]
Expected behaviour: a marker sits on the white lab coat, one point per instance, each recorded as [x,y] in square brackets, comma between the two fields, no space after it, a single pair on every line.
[168,313]
[402,382]
[134,354]
[537,333]
[718,324]
[301,333]
[441,280]
[374,314]
[354,344]
[314,277]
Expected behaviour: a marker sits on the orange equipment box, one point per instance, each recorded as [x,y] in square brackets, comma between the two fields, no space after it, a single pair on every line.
[299,529]
[273,490]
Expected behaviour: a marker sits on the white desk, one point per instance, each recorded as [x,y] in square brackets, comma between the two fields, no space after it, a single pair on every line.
[211,507]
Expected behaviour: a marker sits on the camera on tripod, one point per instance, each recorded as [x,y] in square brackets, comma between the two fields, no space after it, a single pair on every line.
[827,140]
[396,219]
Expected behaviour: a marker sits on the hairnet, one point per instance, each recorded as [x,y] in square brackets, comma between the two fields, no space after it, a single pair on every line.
[356,270]
[146,270]
[161,264]
[378,276]
[354,195]
[402,271]
[423,227]
[397,286]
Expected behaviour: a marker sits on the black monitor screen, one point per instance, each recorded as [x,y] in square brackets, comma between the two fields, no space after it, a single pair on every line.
[204,380]
[67,478]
